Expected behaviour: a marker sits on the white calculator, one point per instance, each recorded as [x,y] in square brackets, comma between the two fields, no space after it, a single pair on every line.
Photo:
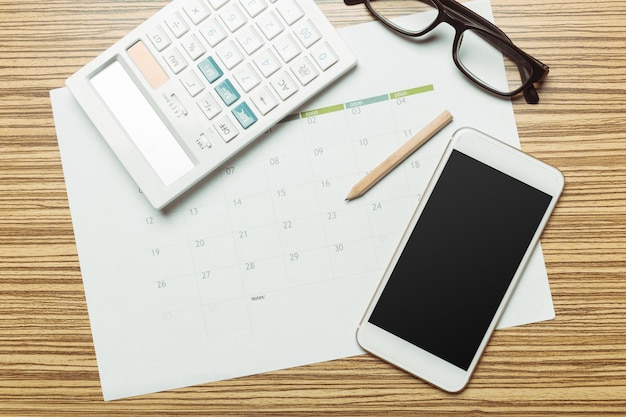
[201,79]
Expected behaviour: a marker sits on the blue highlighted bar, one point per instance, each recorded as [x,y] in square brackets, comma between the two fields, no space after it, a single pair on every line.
[366,101]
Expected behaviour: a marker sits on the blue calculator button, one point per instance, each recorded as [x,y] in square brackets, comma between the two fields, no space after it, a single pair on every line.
[210,69]
[227,92]
[244,115]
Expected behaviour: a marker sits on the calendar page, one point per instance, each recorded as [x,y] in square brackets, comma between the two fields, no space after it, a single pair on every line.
[264,265]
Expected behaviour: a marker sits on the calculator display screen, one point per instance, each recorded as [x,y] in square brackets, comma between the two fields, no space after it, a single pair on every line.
[145,128]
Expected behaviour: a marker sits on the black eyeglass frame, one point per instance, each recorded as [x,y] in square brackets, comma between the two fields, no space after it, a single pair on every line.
[461,18]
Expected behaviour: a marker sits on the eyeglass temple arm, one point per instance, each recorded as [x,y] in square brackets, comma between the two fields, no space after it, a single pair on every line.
[540,72]
[530,94]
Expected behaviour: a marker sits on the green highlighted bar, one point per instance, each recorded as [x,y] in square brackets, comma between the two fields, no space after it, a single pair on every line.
[412,91]
[371,100]
[323,110]
[358,103]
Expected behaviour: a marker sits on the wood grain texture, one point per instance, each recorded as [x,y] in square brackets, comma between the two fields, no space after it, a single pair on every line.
[574,365]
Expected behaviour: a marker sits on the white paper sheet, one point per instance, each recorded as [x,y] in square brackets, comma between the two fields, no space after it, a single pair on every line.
[264,266]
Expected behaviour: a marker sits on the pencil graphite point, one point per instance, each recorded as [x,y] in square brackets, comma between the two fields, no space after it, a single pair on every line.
[399,155]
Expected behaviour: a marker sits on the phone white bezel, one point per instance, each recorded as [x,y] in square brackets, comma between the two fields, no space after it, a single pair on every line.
[508,160]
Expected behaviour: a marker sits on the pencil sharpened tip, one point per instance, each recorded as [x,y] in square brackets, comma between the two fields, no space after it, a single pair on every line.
[351,196]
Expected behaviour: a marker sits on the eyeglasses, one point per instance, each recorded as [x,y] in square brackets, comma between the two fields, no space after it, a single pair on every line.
[479,46]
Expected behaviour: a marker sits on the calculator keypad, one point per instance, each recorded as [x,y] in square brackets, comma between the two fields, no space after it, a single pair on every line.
[222,50]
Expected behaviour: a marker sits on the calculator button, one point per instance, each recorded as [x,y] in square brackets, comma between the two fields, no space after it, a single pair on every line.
[226,90]
[226,128]
[307,33]
[216,4]
[177,25]
[209,106]
[244,115]
[284,86]
[159,38]
[246,78]
[304,70]
[324,55]
[263,99]
[196,11]
[230,54]
[290,11]
[212,32]
[287,48]
[192,83]
[249,40]
[269,25]
[253,7]
[175,60]
[194,48]
[232,17]
[266,62]
[210,69]
[147,64]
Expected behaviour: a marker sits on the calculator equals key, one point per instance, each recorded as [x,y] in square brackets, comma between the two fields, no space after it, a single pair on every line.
[200,80]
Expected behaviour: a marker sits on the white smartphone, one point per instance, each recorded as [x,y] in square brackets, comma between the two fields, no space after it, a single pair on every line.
[458,262]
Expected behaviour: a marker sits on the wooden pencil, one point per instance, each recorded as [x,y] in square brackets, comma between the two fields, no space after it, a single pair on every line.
[399,155]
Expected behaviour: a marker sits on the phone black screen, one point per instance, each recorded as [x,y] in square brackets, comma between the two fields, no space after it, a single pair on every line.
[460,259]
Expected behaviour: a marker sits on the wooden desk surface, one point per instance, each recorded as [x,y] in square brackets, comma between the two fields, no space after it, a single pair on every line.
[574,365]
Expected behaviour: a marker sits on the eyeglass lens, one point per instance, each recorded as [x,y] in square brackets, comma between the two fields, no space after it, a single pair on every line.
[407,14]
[479,53]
